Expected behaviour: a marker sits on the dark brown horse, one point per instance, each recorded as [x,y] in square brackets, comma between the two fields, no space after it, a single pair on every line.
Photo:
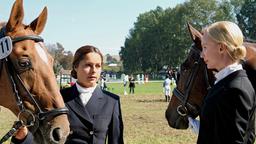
[28,85]
[192,86]
[195,79]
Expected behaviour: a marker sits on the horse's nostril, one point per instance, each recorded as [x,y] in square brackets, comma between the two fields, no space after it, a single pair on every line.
[56,134]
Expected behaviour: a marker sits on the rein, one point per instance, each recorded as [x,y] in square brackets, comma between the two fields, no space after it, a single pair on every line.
[15,80]
[186,105]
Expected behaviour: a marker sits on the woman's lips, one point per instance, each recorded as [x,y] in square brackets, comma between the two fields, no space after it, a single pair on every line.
[92,77]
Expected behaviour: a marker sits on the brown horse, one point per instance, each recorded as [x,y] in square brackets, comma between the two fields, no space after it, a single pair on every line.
[192,86]
[194,82]
[28,85]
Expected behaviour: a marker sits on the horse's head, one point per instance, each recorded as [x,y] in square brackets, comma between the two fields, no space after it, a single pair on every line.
[192,86]
[28,84]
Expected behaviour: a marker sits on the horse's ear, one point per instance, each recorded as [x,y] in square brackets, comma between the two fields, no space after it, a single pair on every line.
[16,16]
[38,24]
[193,32]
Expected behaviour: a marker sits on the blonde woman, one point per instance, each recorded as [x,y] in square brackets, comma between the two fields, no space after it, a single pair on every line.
[228,111]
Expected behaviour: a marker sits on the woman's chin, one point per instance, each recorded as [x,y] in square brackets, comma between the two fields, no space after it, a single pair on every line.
[91,83]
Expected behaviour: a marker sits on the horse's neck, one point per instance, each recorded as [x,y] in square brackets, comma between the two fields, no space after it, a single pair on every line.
[251,54]
[7,98]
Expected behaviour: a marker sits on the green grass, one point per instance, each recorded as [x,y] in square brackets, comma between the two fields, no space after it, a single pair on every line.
[143,116]
[152,88]
[6,120]
[145,123]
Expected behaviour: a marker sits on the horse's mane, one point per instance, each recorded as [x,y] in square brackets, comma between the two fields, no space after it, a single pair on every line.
[249,40]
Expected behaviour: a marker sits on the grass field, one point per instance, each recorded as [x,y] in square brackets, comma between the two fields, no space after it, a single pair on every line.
[152,88]
[143,116]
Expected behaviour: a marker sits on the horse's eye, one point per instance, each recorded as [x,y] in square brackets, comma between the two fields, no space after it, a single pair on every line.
[183,67]
[24,63]
[196,62]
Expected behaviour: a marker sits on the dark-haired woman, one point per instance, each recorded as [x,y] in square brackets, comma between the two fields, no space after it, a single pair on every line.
[94,115]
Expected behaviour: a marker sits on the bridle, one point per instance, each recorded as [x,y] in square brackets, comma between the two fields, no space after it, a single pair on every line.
[15,80]
[185,105]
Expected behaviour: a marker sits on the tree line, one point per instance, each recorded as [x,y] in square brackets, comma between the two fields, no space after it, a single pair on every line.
[63,59]
[160,37]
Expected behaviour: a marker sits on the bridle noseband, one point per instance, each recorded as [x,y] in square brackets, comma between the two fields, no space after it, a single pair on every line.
[182,109]
[15,80]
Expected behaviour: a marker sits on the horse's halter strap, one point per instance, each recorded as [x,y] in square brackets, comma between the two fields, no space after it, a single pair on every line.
[186,105]
[41,114]
[29,37]
[15,79]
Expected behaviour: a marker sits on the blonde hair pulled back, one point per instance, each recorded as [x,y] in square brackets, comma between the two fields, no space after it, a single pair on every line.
[229,34]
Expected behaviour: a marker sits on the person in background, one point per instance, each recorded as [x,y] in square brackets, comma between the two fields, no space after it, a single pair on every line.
[167,88]
[125,83]
[228,111]
[94,114]
[131,84]
[72,83]
[172,85]
[103,83]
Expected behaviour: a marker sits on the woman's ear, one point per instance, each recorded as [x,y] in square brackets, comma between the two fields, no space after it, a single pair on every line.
[75,68]
[222,47]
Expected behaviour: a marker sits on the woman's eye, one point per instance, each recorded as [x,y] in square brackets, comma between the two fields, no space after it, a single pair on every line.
[98,66]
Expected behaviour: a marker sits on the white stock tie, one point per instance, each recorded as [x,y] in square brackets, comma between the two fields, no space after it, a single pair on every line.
[85,93]
[85,97]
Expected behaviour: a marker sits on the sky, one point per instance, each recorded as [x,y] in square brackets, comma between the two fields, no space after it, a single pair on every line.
[102,23]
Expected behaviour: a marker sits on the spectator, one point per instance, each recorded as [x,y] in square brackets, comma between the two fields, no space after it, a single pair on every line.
[131,84]
[167,88]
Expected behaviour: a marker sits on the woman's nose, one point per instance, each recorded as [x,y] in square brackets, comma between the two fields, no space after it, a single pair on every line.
[94,68]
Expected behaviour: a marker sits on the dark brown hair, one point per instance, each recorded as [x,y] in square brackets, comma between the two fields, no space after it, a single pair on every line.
[80,54]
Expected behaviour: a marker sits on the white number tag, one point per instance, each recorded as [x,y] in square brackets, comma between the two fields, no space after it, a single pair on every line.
[5,47]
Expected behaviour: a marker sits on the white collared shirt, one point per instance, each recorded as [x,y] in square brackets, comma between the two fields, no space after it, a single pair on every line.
[85,93]
[226,71]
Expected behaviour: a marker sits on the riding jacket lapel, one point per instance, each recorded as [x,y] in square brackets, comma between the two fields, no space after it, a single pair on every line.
[95,103]
[76,105]
[222,84]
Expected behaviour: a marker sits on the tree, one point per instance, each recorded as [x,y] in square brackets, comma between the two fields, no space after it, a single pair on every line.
[140,49]
[160,37]
[66,60]
[62,58]
[110,59]
[247,19]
